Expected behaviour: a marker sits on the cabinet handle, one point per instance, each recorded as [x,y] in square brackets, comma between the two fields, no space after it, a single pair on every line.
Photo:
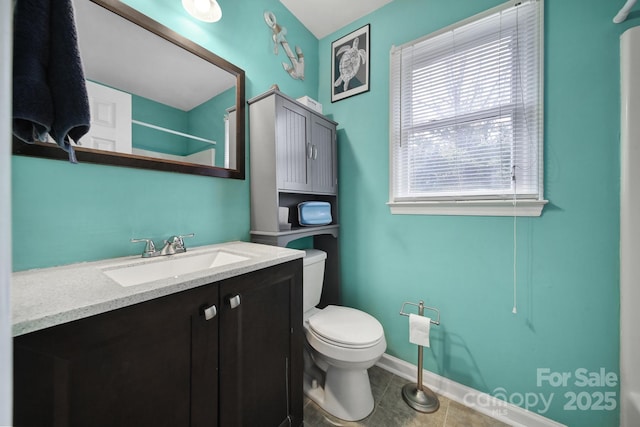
[314,151]
[234,301]
[210,312]
[309,151]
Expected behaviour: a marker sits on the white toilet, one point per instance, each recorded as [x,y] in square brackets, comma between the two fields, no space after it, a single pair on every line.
[341,344]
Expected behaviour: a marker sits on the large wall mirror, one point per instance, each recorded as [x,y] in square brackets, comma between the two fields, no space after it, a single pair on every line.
[158,100]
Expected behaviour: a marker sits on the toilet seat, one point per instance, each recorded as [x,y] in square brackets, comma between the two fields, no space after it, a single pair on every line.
[346,327]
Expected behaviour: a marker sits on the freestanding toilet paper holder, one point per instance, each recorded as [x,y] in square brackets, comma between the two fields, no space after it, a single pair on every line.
[417,396]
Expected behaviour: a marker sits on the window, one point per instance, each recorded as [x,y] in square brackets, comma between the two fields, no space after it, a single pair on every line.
[466,117]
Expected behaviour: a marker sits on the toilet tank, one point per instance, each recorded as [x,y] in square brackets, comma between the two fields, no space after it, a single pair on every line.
[312,278]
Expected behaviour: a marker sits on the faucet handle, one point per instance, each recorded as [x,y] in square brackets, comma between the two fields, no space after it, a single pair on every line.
[178,242]
[181,239]
[149,248]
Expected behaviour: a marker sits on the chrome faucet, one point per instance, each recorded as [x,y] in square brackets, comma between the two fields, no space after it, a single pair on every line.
[173,245]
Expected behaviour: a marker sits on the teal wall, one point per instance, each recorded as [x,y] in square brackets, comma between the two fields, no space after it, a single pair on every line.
[568,285]
[65,213]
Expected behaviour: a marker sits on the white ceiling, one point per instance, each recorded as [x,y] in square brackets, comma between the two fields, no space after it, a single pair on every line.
[323,17]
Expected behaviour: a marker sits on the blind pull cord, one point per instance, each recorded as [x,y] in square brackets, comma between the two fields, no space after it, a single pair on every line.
[515,243]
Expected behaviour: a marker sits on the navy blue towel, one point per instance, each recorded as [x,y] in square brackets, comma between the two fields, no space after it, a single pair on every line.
[49,89]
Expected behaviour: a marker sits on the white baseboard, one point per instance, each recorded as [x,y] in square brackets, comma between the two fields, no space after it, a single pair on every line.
[478,401]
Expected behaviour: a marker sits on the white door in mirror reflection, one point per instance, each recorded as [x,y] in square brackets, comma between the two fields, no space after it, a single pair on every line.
[110,119]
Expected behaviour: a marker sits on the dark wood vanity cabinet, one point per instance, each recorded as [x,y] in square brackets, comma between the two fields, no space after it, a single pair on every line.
[162,363]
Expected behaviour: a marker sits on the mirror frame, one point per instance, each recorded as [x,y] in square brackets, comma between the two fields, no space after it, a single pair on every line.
[88,155]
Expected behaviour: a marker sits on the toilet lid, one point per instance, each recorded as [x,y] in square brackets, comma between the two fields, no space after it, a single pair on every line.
[346,326]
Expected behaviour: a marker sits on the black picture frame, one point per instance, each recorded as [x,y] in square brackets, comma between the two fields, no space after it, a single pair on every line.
[350,64]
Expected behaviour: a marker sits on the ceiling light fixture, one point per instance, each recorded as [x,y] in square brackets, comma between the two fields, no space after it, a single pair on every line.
[204,10]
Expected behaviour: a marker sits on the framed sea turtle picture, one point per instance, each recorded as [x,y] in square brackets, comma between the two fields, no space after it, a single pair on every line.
[350,64]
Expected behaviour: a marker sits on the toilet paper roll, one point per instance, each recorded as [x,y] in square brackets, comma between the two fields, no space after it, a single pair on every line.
[419,327]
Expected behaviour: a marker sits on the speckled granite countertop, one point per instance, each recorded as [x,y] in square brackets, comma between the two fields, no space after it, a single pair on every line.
[46,297]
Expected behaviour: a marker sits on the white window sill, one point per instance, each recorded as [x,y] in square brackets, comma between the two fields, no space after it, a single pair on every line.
[469,207]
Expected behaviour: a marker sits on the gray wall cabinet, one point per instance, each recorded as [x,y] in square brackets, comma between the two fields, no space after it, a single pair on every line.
[305,145]
[293,152]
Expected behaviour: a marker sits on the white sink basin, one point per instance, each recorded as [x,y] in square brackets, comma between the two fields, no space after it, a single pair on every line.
[171,267]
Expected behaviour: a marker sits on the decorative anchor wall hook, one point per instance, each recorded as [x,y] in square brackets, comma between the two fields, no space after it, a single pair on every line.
[296,69]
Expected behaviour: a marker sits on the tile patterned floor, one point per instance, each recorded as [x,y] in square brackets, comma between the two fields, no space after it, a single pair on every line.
[392,411]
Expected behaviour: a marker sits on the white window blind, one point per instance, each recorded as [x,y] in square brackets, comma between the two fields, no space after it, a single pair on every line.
[466,110]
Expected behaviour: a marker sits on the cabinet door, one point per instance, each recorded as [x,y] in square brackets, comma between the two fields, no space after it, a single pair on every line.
[292,146]
[323,158]
[261,348]
[127,367]
[204,357]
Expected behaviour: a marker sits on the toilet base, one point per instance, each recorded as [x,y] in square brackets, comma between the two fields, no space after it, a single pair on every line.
[344,393]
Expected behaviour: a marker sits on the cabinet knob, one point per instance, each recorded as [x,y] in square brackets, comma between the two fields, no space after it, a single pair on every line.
[234,301]
[210,312]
